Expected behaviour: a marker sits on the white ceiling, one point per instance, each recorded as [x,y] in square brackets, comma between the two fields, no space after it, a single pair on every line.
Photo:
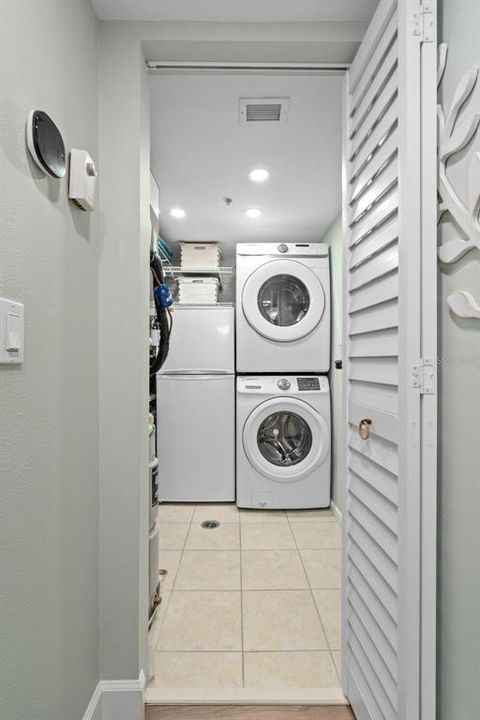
[200,153]
[237,10]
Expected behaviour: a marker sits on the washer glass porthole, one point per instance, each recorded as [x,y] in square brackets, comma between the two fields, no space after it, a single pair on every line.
[284,438]
[283,300]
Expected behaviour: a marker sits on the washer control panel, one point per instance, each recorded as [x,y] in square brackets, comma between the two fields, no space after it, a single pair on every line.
[308,383]
[274,385]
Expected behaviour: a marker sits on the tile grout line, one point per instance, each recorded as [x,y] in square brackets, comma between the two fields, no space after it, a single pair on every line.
[315,604]
[250,652]
[182,550]
[241,598]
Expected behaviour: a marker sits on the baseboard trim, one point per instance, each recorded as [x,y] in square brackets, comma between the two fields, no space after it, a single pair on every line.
[94,709]
[117,700]
[336,511]
[244,696]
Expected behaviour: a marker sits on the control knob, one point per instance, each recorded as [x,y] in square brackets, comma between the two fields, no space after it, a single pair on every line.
[283,384]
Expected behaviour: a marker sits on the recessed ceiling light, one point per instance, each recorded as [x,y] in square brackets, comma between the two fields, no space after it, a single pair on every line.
[177,212]
[258,175]
[253,212]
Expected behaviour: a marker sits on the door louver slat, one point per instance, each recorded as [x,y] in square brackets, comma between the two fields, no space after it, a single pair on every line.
[374,293]
[382,617]
[360,138]
[370,625]
[386,691]
[374,395]
[374,168]
[375,267]
[366,558]
[374,244]
[383,343]
[365,517]
[383,481]
[380,451]
[375,60]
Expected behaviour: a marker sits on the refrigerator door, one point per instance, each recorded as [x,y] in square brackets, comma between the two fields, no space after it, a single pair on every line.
[196,438]
[202,341]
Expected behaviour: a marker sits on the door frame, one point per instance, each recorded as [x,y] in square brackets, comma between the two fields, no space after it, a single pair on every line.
[428,409]
[253,696]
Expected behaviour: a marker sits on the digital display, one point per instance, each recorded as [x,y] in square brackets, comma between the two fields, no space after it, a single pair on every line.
[309,383]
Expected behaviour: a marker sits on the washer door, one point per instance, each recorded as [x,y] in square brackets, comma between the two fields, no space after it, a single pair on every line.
[283,300]
[285,439]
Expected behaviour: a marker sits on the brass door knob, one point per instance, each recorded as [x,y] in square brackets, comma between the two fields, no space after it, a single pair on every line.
[365,428]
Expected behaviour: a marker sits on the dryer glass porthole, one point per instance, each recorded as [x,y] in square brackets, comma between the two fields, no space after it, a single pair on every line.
[283,300]
[284,439]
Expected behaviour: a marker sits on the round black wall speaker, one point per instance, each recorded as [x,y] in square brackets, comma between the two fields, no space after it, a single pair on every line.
[45,144]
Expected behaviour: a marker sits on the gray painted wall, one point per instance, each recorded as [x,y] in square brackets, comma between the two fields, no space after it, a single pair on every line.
[124,351]
[459,419]
[333,237]
[49,406]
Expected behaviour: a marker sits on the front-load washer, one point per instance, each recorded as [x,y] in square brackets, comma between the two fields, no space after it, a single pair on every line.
[283,308]
[283,442]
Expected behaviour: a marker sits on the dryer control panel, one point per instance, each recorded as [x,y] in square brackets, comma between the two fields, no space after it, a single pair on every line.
[283,249]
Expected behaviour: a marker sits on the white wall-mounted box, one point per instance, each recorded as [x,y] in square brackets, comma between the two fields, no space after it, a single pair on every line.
[83,177]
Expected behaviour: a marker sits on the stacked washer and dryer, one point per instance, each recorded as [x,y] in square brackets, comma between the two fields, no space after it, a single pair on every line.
[282,355]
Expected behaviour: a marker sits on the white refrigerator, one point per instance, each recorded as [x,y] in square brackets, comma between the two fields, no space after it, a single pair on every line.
[196,408]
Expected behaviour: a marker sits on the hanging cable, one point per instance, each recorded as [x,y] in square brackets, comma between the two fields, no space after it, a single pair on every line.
[163,300]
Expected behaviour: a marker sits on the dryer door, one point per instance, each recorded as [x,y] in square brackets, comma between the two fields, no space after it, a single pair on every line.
[283,300]
[285,439]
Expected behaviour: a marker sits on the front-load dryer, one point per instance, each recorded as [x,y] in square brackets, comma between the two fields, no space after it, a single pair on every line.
[283,308]
[283,442]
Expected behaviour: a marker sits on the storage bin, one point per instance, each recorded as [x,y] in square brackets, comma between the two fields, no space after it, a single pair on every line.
[201,290]
[200,255]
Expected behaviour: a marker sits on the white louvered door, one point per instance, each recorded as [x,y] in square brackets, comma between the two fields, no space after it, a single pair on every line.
[389,366]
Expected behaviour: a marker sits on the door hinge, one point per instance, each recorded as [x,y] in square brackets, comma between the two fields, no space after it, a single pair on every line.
[424,23]
[424,375]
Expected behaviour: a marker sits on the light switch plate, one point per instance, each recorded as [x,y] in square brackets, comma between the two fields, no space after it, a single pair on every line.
[12,334]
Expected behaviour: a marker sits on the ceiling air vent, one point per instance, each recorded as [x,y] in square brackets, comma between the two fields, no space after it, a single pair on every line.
[260,110]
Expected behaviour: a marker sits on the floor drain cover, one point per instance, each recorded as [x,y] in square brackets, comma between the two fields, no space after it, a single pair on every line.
[210,524]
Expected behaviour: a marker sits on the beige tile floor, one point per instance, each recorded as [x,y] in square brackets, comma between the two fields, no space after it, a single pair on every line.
[254,603]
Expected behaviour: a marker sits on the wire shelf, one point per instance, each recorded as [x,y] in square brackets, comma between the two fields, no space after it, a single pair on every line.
[178,270]
[202,305]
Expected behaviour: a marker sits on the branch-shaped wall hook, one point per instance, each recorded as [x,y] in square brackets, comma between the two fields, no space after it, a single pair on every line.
[464,90]
[451,139]
[463,304]
[442,62]
[453,250]
[473,188]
